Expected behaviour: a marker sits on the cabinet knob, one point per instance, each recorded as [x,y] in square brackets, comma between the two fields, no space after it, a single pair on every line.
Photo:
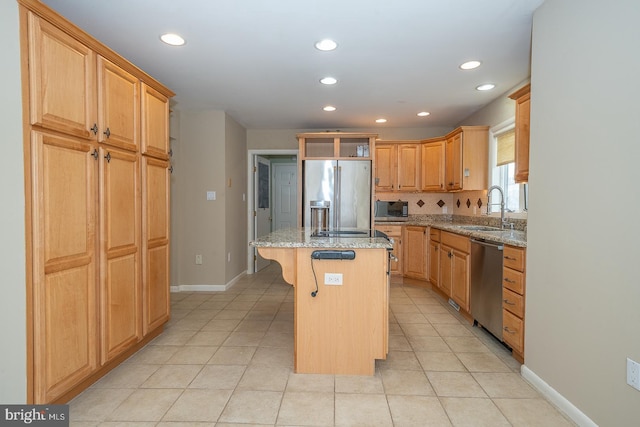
[108,157]
[94,129]
[95,153]
[107,132]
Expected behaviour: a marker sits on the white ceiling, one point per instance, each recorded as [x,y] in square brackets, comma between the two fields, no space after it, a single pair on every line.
[255,59]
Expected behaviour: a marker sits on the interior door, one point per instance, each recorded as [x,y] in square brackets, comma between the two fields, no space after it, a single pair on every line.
[285,195]
[262,204]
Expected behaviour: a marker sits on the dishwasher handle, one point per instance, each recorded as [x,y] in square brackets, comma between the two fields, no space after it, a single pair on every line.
[498,246]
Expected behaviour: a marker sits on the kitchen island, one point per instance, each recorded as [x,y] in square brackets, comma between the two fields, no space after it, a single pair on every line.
[341,298]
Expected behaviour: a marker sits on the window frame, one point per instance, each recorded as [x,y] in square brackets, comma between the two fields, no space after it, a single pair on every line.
[494,174]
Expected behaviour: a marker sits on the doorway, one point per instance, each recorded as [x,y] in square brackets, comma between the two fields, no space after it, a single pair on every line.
[272,197]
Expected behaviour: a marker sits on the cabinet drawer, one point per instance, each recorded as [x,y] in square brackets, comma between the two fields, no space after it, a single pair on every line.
[456,241]
[390,230]
[434,234]
[513,280]
[513,302]
[514,257]
[513,331]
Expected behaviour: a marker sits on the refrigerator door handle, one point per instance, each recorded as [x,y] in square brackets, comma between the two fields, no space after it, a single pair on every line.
[338,196]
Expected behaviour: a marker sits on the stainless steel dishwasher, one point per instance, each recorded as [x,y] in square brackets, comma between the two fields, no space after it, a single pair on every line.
[486,285]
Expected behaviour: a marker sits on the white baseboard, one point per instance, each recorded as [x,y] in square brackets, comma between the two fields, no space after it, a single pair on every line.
[556,398]
[207,288]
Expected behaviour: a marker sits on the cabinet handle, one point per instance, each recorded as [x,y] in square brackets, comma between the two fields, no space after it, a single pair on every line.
[94,129]
[171,169]
[506,279]
[506,301]
[507,330]
[107,132]
[509,258]
[108,157]
[170,152]
[95,153]
[450,254]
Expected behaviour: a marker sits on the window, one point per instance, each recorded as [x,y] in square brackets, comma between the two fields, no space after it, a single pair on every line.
[502,162]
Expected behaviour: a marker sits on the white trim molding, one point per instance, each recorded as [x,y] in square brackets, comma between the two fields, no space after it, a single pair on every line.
[207,288]
[556,399]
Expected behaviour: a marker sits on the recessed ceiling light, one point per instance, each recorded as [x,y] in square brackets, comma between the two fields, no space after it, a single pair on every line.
[328,81]
[381,120]
[172,39]
[423,113]
[486,86]
[326,45]
[329,108]
[470,65]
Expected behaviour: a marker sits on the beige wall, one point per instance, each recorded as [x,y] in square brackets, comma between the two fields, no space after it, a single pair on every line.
[13,357]
[583,286]
[199,166]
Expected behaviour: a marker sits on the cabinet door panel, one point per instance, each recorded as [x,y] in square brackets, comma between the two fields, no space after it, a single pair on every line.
[61,80]
[434,263]
[120,255]
[155,270]
[453,159]
[415,257]
[460,279]
[155,123]
[385,167]
[433,166]
[445,269]
[64,264]
[409,167]
[118,106]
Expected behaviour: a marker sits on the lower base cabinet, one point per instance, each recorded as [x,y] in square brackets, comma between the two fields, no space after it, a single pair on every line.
[415,252]
[395,233]
[455,267]
[513,299]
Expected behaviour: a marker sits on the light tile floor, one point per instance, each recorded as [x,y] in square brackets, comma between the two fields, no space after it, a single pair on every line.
[226,359]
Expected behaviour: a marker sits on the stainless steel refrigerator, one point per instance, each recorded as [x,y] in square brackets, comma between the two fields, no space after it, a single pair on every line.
[346,185]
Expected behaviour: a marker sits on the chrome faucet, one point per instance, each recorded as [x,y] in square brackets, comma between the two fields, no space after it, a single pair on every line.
[489,204]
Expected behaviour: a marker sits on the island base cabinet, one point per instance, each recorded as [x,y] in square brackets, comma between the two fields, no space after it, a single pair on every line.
[344,328]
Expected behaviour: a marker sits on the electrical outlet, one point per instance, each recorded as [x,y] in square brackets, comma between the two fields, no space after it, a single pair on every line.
[211,195]
[198,259]
[333,278]
[633,374]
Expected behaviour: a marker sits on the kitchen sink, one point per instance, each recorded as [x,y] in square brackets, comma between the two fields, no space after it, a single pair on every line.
[479,228]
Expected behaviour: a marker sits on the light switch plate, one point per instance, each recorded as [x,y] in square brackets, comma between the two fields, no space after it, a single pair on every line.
[211,195]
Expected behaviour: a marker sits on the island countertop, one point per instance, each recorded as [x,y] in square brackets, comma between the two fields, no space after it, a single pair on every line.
[302,238]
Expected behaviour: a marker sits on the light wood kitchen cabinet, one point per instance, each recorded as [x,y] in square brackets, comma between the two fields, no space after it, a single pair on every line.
[513,299]
[395,233]
[434,256]
[84,187]
[415,252]
[336,145]
[523,108]
[120,294]
[466,158]
[61,80]
[155,245]
[155,123]
[433,165]
[118,106]
[397,166]
[455,267]
[64,263]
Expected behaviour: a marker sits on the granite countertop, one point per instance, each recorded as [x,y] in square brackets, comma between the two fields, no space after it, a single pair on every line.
[509,237]
[301,238]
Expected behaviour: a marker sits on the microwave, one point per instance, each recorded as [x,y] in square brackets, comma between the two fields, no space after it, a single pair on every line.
[391,211]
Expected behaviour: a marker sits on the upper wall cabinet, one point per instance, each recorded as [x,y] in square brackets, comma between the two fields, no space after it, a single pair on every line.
[397,167]
[466,158]
[523,108]
[336,145]
[433,165]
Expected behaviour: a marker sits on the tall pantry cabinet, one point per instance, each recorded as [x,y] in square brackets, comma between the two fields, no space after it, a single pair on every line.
[97,184]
